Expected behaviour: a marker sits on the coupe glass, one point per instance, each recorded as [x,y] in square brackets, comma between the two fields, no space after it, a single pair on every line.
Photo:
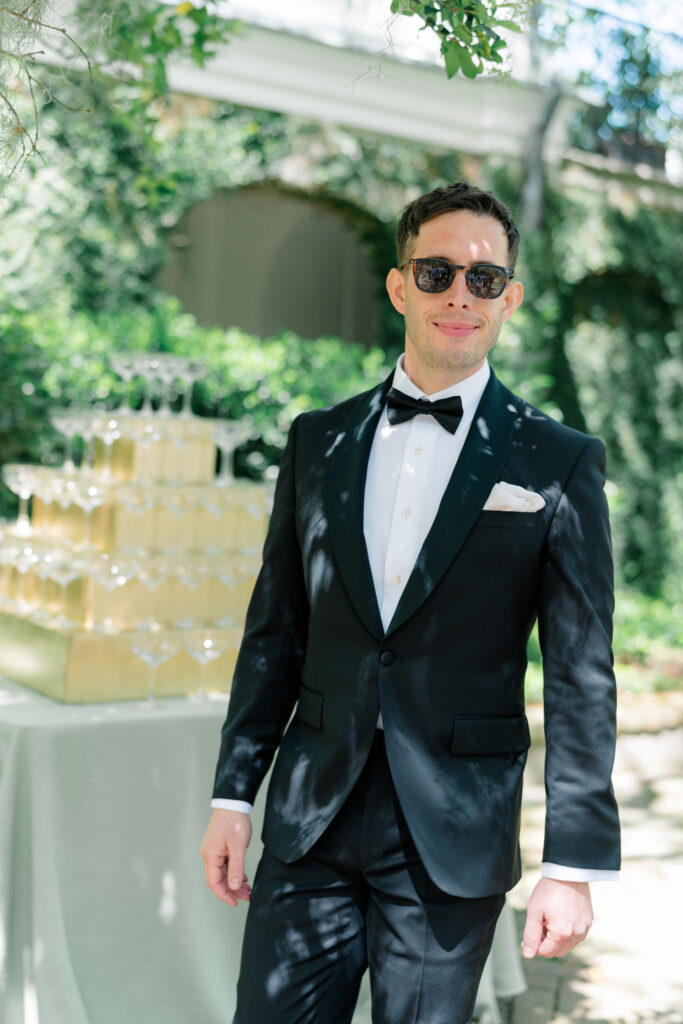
[43,569]
[108,429]
[190,374]
[145,429]
[169,367]
[64,571]
[89,496]
[229,570]
[227,436]
[213,500]
[25,558]
[9,552]
[67,422]
[64,489]
[204,646]
[21,481]
[152,573]
[154,647]
[122,364]
[84,419]
[137,497]
[112,573]
[146,366]
[176,498]
[193,572]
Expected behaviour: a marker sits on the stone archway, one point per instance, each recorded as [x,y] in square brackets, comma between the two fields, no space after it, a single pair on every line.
[266,259]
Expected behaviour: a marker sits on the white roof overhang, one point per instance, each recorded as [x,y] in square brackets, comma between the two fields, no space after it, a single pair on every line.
[275,70]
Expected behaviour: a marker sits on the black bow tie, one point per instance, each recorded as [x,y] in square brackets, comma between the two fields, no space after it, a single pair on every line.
[446,411]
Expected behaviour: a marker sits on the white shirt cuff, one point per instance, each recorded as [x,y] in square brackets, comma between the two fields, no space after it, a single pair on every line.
[562,873]
[232,805]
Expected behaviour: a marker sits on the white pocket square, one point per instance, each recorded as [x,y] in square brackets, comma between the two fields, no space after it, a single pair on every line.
[513,498]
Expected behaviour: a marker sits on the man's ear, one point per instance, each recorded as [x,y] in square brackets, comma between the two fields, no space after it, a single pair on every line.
[396,287]
[513,298]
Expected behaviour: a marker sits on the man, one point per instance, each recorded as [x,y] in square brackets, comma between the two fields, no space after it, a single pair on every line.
[418,530]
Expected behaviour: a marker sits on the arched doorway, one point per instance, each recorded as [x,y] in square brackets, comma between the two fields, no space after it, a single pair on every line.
[265,259]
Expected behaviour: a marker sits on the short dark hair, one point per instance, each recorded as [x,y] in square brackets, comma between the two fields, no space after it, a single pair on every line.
[459,195]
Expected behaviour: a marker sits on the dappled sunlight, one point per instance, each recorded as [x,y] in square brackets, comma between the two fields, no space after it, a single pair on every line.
[14,696]
[629,967]
[168,905]
[31,1014]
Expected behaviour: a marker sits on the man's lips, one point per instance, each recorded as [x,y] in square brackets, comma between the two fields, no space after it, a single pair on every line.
[456,328]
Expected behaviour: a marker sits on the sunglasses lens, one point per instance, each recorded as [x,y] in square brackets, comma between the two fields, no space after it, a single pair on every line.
[433,275]
[486,281]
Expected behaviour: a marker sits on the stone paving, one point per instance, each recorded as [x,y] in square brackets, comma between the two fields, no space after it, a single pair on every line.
[630,968]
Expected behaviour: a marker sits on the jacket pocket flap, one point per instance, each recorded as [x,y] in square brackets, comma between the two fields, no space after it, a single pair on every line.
[514,520]
[474,736]
[310,707]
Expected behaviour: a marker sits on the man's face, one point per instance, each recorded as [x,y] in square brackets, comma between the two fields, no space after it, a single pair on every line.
[448,334]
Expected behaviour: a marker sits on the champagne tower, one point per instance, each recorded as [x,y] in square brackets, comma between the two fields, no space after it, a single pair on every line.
[132,574]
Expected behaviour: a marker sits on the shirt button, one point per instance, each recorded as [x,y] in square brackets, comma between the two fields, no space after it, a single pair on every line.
[398,579]
[387,658]
[419,450]
[406,513]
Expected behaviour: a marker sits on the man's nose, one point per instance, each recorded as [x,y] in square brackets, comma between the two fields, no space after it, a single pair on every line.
[458,293]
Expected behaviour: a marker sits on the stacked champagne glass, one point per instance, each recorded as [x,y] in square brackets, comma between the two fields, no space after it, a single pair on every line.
[128,574]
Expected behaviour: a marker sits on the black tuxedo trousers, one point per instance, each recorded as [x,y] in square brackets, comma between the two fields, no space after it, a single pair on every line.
[316,665]
[360,897]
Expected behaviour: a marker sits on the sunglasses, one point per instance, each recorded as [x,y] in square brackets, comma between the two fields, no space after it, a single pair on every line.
[484,280]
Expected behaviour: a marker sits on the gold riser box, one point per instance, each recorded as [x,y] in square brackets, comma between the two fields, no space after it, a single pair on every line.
[84,667]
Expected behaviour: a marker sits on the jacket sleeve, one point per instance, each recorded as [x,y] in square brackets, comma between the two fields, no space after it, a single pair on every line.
[267,674]
[576,601]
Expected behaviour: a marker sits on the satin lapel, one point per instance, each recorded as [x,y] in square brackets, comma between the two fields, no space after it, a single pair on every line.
[476,471]
[346,491]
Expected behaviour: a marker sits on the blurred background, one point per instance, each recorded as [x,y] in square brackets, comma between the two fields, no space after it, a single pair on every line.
[234,196]
[222,182]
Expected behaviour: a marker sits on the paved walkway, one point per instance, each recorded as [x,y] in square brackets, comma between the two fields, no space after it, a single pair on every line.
[630,968]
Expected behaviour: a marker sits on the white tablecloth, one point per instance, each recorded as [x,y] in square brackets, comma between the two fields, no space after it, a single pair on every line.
[105,917]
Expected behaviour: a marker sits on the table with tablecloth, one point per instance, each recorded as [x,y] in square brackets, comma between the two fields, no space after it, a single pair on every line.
[105,917]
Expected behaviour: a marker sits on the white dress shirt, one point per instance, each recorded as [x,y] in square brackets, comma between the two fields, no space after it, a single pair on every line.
[409,467]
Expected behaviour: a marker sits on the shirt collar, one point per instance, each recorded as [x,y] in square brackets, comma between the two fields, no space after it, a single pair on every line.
[470,388]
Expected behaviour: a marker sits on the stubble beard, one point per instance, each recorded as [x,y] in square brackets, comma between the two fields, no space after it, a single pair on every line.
[453,357]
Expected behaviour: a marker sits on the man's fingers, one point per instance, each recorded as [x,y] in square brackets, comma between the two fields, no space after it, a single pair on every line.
[533,934]
[236,874]
[215,868]
[558,917]
[558,943]
[223,850]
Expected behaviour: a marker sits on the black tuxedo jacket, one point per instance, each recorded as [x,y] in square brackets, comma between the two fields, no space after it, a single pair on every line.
[448,672]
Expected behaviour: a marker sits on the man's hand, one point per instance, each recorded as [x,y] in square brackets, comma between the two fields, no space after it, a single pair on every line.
[223,849]
[557,919]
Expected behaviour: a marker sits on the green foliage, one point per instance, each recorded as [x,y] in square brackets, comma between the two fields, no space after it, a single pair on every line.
[144,34]
[126,47]
[23,397]
[468,30]
[634,114]
[626,344]
[648,641]
[597,342]
[53,357]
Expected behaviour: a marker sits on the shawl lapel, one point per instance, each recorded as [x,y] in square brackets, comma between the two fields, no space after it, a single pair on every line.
[346,490]
[478,468]
[476,471]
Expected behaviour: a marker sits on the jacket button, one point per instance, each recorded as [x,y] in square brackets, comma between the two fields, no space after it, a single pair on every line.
[387,658]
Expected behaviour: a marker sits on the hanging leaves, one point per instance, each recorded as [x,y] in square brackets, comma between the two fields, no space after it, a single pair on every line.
[468,30]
